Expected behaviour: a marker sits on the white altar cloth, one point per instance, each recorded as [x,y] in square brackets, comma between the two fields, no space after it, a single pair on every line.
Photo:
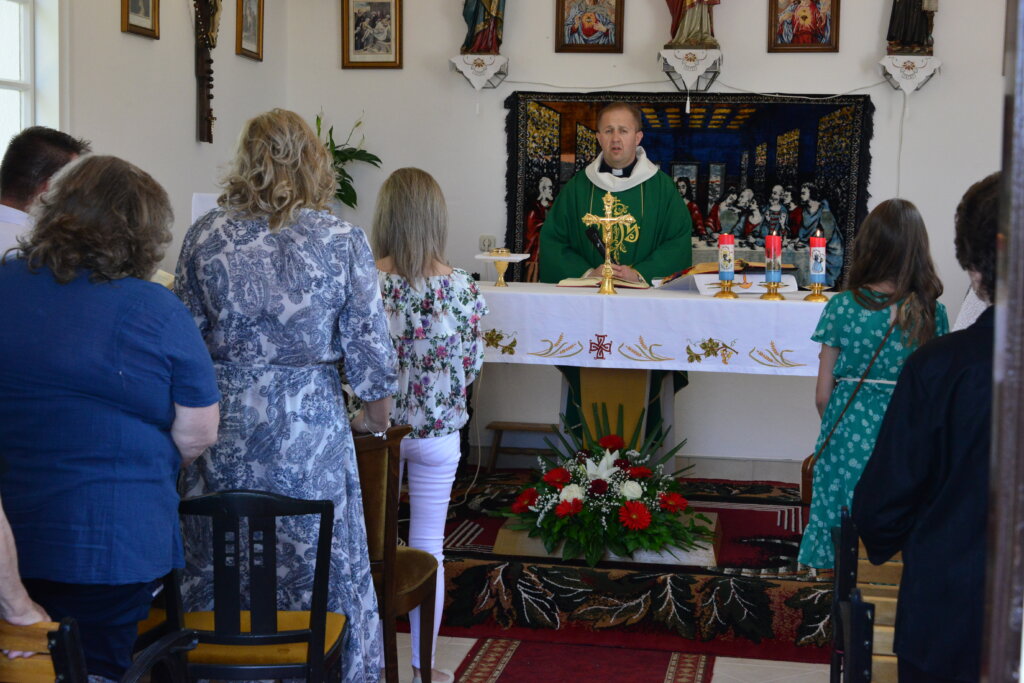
[542,324]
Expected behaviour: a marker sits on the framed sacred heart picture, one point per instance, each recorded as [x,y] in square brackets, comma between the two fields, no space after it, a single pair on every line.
[141,17]
[249,29]
[588,25]
[803,25]
[371,34]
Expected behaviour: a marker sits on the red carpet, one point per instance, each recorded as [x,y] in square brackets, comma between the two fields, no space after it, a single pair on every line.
[502,660]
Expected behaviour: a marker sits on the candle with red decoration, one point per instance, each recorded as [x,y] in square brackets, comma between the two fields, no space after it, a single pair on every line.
[817,263]
[773,256]
[726,257]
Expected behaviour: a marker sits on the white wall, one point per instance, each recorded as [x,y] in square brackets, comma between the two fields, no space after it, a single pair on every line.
[135,97]
[426,116]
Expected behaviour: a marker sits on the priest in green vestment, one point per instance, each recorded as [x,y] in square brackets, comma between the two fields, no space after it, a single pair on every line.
[662,246]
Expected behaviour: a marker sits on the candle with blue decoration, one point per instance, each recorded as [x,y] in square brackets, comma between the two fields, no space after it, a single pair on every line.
[726,257]
[817,263]
[773,256]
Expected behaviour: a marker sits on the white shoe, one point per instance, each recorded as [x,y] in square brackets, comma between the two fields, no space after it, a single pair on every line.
[449,677]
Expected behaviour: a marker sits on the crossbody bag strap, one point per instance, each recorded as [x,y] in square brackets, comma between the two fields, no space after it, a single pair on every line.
[853,395]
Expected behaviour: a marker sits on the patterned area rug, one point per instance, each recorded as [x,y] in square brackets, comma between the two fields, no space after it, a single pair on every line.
[502,660]
[754,602]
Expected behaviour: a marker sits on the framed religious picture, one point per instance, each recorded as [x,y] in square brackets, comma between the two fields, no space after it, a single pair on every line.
[249,29]
[141,17]
[803,25]
[371,34]
[588,25]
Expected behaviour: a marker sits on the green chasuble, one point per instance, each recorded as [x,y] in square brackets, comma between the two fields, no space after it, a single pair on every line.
[662,246]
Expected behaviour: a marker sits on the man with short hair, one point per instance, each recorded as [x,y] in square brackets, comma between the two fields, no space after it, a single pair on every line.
[924,491]
[663,224]
[33,156]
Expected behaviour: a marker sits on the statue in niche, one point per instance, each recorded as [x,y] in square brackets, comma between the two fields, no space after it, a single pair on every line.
[692,26]
[484,20]
[910,27]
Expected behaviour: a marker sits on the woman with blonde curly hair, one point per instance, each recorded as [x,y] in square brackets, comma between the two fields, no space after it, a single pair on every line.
[281,290]
[106,391]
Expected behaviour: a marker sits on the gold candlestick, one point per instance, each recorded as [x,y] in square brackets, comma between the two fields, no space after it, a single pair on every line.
[500,266]
[816,295]
[725,291]
[773,292]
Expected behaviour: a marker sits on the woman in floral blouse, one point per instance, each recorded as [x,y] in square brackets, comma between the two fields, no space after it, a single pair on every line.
[434,312]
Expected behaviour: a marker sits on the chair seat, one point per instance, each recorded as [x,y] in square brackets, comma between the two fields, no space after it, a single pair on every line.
[156,618]
[414,568]
[255,655]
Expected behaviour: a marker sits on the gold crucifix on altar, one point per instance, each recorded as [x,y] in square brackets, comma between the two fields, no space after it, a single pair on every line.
[615,216]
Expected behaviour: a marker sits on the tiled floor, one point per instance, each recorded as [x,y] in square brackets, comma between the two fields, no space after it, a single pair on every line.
[451,651]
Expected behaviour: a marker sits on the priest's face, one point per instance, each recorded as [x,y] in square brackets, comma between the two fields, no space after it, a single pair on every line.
[619,135]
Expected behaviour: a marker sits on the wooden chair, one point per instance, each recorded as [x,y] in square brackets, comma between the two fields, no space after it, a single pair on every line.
[59,656]
[261,642]
[844,540]
[858,618]
[403,577]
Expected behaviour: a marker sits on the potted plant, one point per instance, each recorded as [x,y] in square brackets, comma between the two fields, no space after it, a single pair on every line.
[341,155]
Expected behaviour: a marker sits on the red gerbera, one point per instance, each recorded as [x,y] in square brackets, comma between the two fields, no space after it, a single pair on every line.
[640,472]
[557,477]
[567,508]
[621,463]
[612,442]
[672,501]
[598,487]
[634,515]
[527,498]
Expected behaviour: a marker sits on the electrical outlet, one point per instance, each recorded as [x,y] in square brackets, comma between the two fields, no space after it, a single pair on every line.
[488,242]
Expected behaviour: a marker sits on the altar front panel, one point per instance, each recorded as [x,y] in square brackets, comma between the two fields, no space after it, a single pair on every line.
[541,324]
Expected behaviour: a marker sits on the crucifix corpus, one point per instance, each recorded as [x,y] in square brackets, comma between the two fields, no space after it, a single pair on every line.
[617,227]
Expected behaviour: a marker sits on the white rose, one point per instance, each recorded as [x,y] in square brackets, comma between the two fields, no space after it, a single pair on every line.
[570,492]
[631,490]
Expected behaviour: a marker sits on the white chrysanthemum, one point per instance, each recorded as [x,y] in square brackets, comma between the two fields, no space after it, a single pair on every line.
[631,490]
[604,469]
[571,492]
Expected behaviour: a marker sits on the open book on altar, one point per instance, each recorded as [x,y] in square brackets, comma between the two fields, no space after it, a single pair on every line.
[596,282]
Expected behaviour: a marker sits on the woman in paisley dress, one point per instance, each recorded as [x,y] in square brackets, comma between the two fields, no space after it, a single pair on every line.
[281,290]
[434,311]
[892,277]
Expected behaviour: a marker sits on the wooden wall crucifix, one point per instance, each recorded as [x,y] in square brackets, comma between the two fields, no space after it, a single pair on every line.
[206,26]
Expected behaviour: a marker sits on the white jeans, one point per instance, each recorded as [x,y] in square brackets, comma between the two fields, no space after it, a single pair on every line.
[431,464]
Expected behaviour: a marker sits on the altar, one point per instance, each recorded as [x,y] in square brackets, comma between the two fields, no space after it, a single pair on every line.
[651,329]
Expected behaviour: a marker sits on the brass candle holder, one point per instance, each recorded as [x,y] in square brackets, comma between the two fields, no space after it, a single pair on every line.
[500,266]
[773,291]
[816,296]
[725,290]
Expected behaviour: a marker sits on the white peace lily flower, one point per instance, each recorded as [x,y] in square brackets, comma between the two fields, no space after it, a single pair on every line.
[604,469]
[631,490]
[570,492]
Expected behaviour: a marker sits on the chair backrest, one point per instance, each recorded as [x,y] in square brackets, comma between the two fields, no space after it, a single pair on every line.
[859,618]
[845,540]
[58,649]
[261,510]
[378,460]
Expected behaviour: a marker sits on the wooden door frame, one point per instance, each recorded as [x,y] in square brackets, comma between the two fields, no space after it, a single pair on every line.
[1004,592]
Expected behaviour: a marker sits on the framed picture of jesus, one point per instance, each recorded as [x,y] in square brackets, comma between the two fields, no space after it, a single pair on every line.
[803,25]
[588,25]
[371,34]
[141,17]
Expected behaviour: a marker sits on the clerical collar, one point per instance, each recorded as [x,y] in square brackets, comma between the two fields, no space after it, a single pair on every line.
[618,172]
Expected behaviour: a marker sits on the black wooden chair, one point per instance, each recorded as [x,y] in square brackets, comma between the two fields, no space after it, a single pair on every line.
[845,542]
[261,642]
[858,619]
[58,655]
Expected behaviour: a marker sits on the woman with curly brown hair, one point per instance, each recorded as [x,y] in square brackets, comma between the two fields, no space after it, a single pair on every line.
[106,391]
[281,290]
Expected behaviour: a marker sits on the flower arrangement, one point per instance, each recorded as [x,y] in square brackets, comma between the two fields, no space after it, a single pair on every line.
[602,494]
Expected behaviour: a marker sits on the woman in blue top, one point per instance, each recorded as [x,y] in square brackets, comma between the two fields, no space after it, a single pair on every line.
[106,391]
[892,282]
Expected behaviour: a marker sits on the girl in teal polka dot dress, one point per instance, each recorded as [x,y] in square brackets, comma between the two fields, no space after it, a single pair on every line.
[892,276]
